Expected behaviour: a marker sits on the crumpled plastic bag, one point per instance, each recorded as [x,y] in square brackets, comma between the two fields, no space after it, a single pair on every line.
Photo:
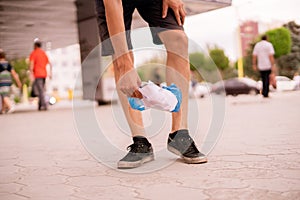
[166,98]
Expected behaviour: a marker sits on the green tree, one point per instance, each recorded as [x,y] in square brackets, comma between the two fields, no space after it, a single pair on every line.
[281,40]
[290,63]
[222,62]
[247,64]
[199,61]
[21,67]
[205,69]
[219,58]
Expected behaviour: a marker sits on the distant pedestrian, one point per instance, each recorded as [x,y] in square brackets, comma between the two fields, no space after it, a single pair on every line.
[6,74]
[38,72]
[263,60]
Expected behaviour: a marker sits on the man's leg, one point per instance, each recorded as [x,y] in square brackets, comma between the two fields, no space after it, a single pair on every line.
[133,117]
[264,77]
[267,82]
[178,72]
[141,150]
[40,84]
[263,82]
[6,102]
[8,105]
[1,104]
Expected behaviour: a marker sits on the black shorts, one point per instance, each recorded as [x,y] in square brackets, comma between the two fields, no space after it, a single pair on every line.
[150,11]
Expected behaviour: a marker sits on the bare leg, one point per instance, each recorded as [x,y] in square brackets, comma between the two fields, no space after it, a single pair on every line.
[178,72]
[6,103]
[3,105]
[133,117]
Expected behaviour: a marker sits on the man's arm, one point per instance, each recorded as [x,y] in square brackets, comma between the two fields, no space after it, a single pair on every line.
[272,60]
[16,77]
[31,66]
[115,24]
[123,61]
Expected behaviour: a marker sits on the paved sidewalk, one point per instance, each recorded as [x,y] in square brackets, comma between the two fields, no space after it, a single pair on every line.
[257,157]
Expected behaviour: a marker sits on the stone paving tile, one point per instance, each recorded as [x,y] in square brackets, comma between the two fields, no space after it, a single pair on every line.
[37,171]
[171,191]
[10,177]
[243,194]
[13,197]
[247,163]
[105,192]
[275,184]
[246,173]
[291,195]
[47,191]
[10,188]
[42,179]
[86,181]
[79,171]
[289,173]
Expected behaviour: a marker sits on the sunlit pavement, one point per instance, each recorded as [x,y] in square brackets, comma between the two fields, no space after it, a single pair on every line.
[257,157]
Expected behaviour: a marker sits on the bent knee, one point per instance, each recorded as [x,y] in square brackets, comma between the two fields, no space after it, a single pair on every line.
[176,42]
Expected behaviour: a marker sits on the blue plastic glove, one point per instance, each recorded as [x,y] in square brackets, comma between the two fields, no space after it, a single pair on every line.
[176,91]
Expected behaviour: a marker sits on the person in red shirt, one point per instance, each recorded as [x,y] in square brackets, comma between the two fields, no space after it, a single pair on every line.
[38,72]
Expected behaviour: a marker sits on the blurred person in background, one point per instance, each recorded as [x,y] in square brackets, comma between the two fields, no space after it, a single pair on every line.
[6,74]
[263,60]
[38,72]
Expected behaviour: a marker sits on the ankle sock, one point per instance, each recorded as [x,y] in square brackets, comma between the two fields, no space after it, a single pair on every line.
[141,138]
[182,131]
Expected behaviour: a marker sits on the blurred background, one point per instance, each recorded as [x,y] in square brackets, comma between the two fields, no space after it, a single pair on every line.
[226,31]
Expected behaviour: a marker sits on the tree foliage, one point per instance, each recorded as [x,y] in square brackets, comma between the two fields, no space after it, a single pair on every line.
[247,64]
[199,60]
[21,68]
[219,58]
[281,40]
[290,63]
[210,68]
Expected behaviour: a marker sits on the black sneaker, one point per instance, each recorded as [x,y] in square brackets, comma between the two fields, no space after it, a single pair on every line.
[139,153]
[181,144]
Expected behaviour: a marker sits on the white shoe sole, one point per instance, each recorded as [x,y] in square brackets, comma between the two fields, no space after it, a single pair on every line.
[196,160]
[11,110]
[130,165]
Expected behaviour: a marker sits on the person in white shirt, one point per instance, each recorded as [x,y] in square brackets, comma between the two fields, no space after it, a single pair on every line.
[263,60]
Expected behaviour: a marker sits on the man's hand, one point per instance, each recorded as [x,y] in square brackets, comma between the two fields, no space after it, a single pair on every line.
[254,68]
[31,77]
[129,83]
[177,7]
[126,76]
